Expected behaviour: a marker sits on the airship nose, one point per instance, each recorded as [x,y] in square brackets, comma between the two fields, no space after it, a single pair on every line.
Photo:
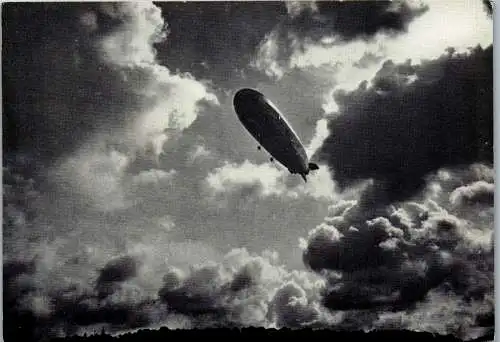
[245,100]
[246,96]
[247,93]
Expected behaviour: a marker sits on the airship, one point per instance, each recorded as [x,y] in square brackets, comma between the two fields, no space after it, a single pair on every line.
[268,126]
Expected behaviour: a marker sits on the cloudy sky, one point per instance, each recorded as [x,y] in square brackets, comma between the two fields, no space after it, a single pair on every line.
[133,196]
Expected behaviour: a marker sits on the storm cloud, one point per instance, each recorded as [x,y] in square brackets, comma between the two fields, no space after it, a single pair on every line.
[115,272]
[386,131]
[322,19]
[332,23]
[394,257]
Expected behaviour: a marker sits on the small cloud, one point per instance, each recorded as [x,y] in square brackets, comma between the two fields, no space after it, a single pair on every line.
[264,178]
[292,307]
[115,272]
[295,8]
[268,57]
[152,177]
[89,20]
[199,151]
[166,223]
[480,192]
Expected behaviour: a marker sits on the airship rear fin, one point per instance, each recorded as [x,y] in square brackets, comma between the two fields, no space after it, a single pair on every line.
[313,166]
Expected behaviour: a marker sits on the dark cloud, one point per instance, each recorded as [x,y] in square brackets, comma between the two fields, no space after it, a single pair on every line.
[349,20]
[372,267]
[243,279]
[488,6]
[224,35]
[471,275]
[13,285]
[343,21]
[46,295]
[63,92]
[18,285]
[486,319]
[19,202]
[235,292]
[200,294]
[71,314]
[367,59]
[390,258]
[207,295]
[11,269]
[292,308]
[399,129]
[326,250]
[118,270]
[115,272]
[392,77]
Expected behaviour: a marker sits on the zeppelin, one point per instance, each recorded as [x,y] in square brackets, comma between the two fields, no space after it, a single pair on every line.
[269,127]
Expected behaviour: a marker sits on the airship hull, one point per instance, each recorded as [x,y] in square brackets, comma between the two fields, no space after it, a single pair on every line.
[269,127]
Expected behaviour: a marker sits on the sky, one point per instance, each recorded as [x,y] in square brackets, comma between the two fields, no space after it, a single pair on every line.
[133,196]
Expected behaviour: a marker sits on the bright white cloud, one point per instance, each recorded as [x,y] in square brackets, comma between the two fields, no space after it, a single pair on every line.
[132,44]
[171,101]
[477,192]
[233,176]
[320,184]
[198,152]
[320,134]
[268,180]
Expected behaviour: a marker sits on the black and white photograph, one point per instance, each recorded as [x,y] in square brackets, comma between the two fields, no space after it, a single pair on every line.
[220,166]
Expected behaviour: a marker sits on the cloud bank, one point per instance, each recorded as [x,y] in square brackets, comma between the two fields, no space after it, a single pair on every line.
[395,261]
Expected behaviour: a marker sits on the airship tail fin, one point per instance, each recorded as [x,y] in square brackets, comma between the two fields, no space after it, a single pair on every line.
[313,166]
